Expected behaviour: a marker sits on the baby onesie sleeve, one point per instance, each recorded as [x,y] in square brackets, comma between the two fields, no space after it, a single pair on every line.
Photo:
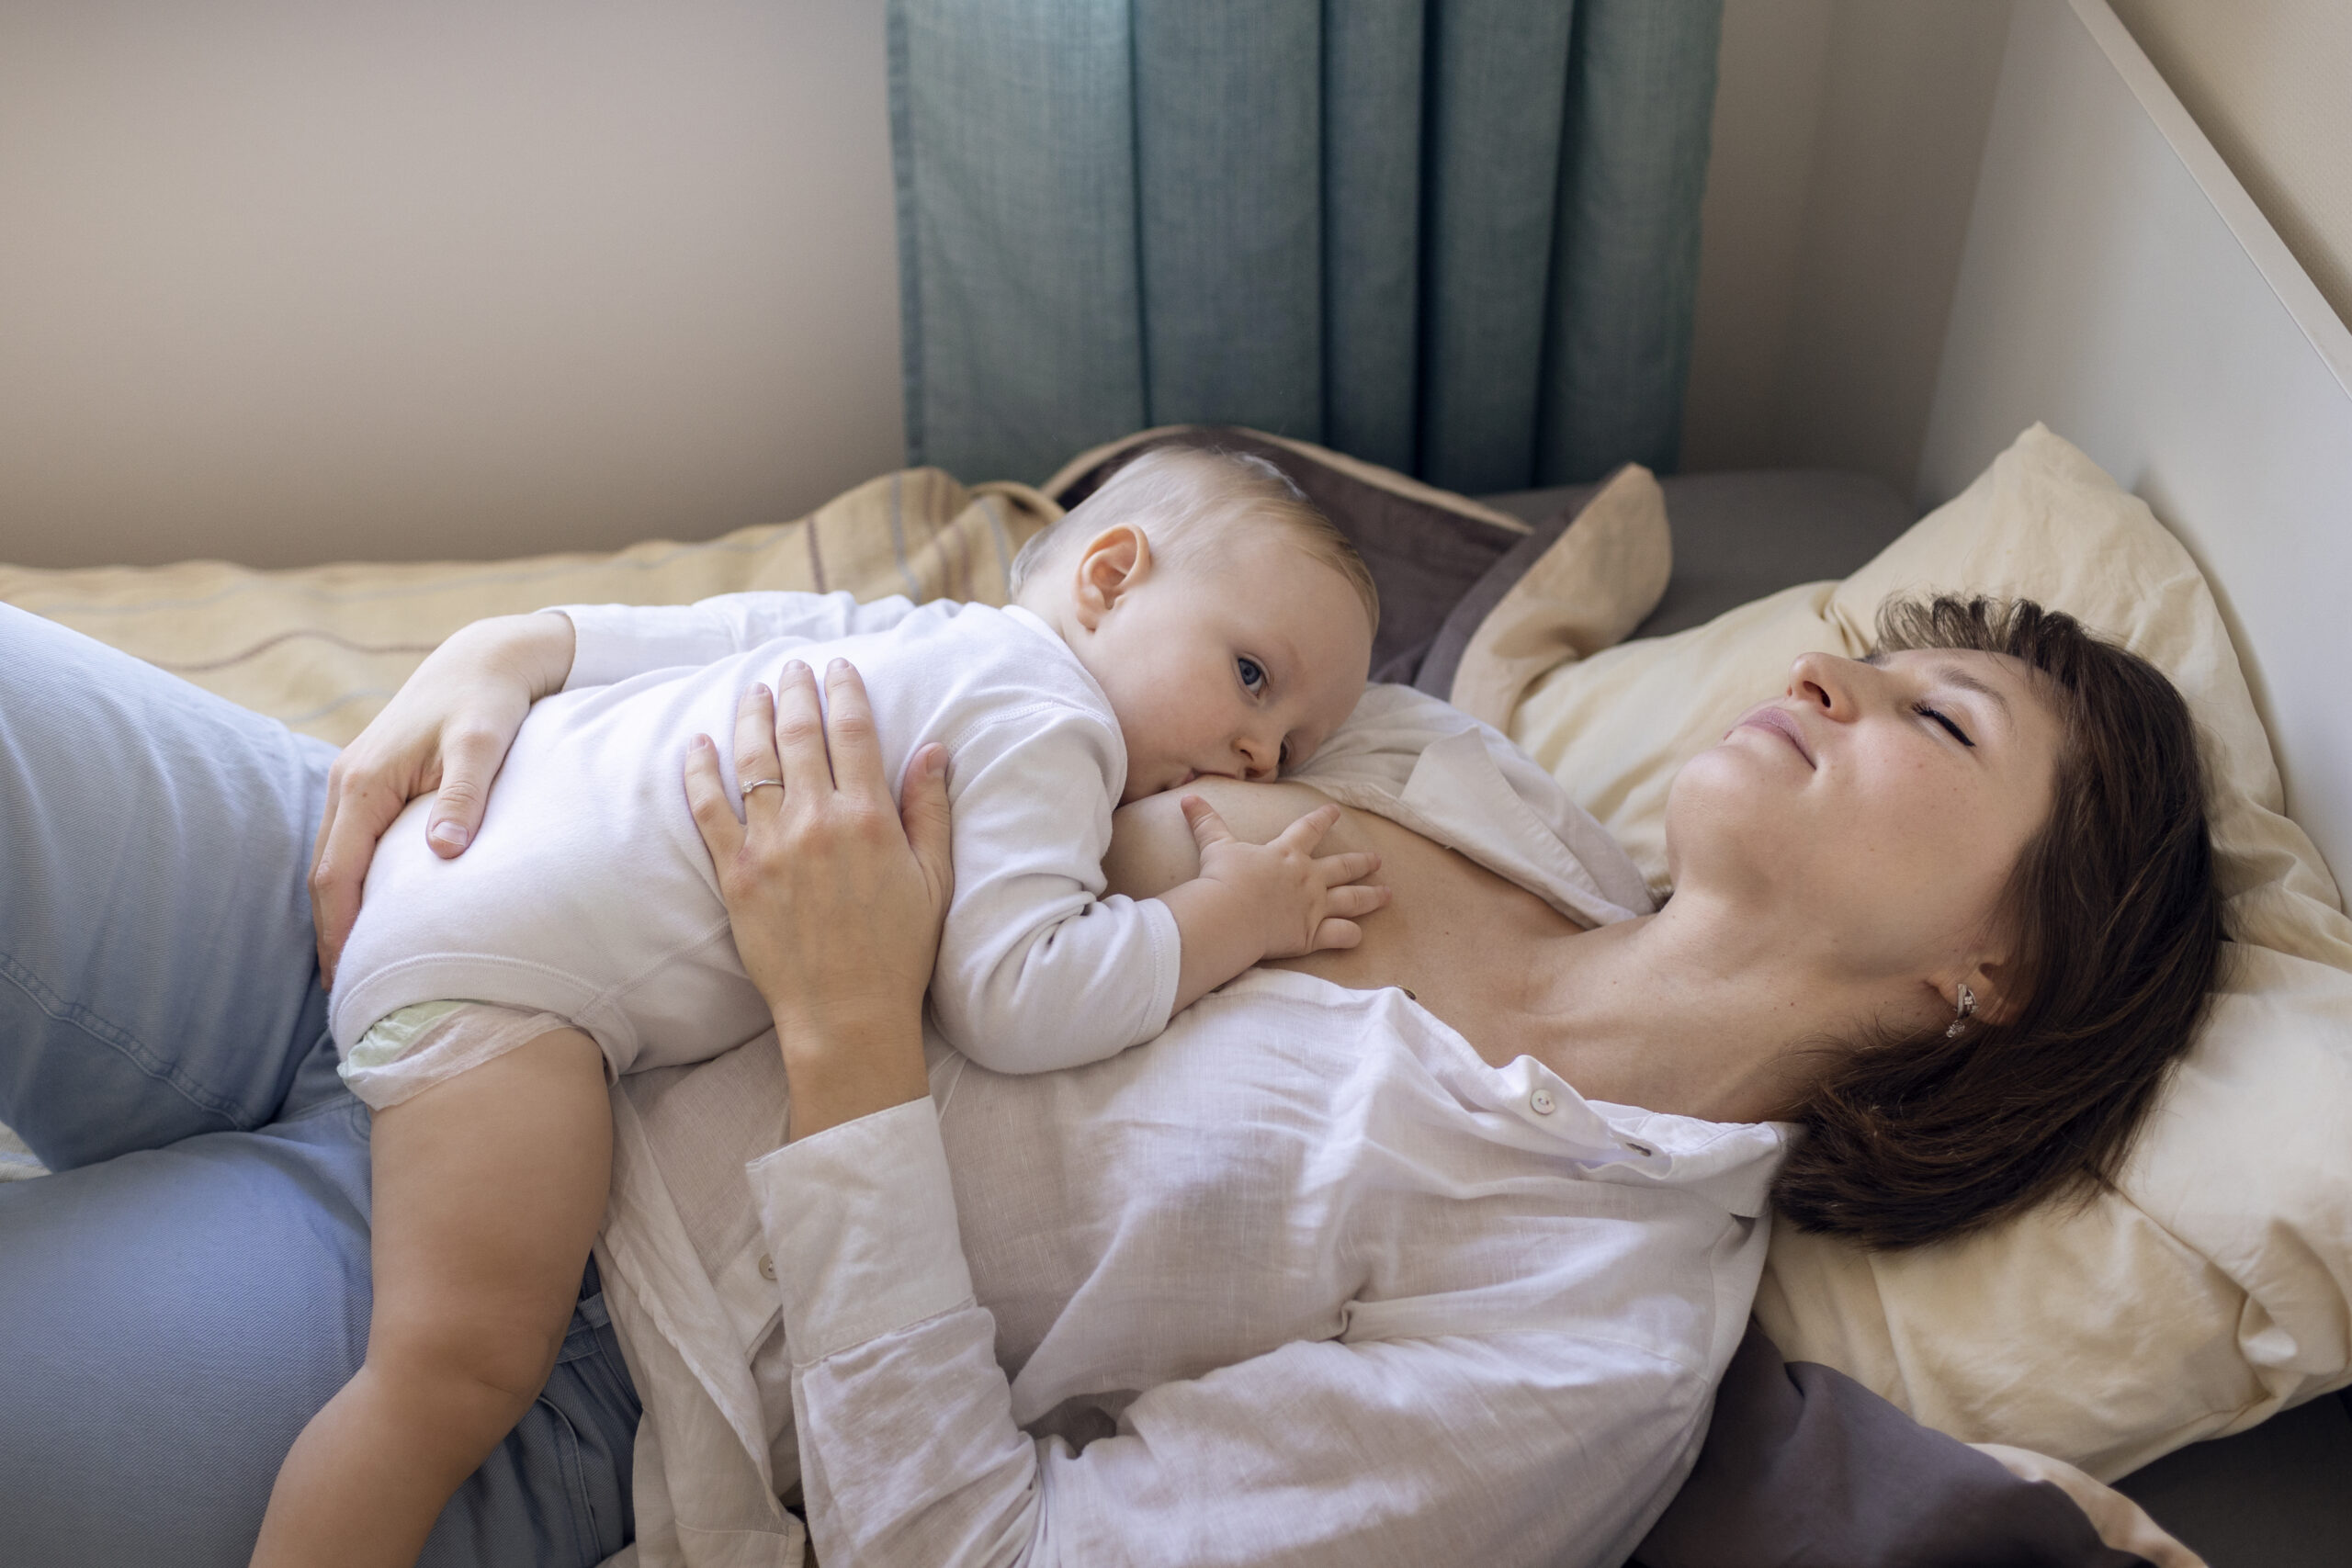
[1038,968]
[613,642]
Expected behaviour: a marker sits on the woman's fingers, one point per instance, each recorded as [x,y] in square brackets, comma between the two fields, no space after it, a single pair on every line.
[470,761]
[850,738]
[923,811]
[755,745]
[706,798]
[799,743]
[355,818]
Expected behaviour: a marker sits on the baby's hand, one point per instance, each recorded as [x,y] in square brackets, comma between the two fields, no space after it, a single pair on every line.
[1298,902]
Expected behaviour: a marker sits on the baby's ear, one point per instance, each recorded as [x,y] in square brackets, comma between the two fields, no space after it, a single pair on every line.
[1113,563]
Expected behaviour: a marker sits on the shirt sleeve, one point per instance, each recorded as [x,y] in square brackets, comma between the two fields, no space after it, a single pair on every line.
[613,642]
[1496,1449]
[1038,968]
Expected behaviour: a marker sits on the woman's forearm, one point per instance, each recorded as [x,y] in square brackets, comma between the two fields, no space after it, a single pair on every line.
[850,1063]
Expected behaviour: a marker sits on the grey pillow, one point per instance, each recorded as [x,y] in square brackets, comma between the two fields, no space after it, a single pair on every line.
[1424,553]
[1804,1465]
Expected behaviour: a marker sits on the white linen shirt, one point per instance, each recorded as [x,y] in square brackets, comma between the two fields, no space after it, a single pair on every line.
[588,893]
[1304,1281]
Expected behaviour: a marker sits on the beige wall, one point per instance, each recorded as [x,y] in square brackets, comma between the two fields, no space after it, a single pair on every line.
[289,282]
[286,281]
[1847,141]
[2270,82]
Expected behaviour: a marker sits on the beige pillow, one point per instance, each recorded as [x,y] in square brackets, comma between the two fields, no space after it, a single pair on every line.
[2212,1288]
[1588,588]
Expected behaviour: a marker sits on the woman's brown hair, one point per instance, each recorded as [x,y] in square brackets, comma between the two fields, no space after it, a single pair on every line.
[2117,930]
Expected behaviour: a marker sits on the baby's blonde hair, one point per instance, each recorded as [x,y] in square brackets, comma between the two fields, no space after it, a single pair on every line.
[1189,499]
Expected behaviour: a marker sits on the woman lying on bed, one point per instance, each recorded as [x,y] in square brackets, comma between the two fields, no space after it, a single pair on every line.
[1340,1269]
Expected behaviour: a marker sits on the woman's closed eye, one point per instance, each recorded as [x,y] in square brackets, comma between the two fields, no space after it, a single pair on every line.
[1924,711]
[1252,673]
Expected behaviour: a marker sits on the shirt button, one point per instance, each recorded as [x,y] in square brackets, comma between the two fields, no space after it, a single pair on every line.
[1542,1102]
[767,1267]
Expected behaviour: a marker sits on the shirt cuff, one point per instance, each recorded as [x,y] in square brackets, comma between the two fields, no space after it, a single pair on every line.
[613,642]
[1167,966]
[860,1221]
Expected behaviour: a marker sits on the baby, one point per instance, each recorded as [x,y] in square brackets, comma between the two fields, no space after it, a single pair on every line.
[1195,617]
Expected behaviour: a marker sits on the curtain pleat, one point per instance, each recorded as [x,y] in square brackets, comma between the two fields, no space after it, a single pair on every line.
[1229,166]
[1456,237]
[1372,69]
[1499,79]
[1626,257]
[1021,279]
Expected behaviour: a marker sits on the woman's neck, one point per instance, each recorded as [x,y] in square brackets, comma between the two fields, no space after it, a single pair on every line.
[1699,1011]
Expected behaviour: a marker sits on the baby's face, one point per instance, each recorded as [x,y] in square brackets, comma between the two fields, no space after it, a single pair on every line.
[1233,667]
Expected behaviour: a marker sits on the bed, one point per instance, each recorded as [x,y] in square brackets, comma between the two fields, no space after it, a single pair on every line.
[2118,285]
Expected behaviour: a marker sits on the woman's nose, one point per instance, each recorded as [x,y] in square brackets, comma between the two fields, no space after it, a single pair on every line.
[1828,683]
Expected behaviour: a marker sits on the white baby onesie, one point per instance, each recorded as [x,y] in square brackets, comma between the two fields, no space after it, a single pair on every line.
[587,893]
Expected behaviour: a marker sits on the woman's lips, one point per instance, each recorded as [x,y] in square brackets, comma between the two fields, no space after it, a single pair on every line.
[1774,718]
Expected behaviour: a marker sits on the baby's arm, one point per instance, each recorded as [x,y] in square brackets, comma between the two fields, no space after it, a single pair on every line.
[489,1188]
[1038,968]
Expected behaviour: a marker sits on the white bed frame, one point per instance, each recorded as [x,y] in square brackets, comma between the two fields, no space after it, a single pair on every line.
[2119,285]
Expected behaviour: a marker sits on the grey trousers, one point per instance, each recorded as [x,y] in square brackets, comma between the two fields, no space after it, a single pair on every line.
[192,1283]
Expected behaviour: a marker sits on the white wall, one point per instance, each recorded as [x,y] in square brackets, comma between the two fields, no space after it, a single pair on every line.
[2270,82]
[1847,141]
[286,281]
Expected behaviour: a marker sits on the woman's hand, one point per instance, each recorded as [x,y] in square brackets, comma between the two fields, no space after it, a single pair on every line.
[447,729]
[837,896]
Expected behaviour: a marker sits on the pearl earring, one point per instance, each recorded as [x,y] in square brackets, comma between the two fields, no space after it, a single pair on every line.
[1967,1006]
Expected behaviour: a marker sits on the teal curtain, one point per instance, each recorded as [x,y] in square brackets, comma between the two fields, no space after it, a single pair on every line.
[1456,237]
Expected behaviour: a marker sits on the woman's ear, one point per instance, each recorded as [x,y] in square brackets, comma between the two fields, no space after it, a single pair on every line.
[1989,984]
[1111,566]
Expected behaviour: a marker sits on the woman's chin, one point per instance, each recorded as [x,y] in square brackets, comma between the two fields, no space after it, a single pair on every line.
[1720,804]
[1725,775]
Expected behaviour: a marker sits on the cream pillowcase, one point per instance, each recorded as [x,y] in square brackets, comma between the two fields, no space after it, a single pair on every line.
[2213,1286]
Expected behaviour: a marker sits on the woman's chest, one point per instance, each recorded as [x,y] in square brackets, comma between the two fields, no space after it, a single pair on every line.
[1261,1174]
[1466,943]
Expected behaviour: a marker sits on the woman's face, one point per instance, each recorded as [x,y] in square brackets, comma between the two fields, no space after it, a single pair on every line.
[1881,804]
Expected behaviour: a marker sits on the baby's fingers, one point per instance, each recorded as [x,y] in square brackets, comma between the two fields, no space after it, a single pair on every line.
[1354,866]
[1335,932]
[1207,826]
[1307,831]
[1357,899]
